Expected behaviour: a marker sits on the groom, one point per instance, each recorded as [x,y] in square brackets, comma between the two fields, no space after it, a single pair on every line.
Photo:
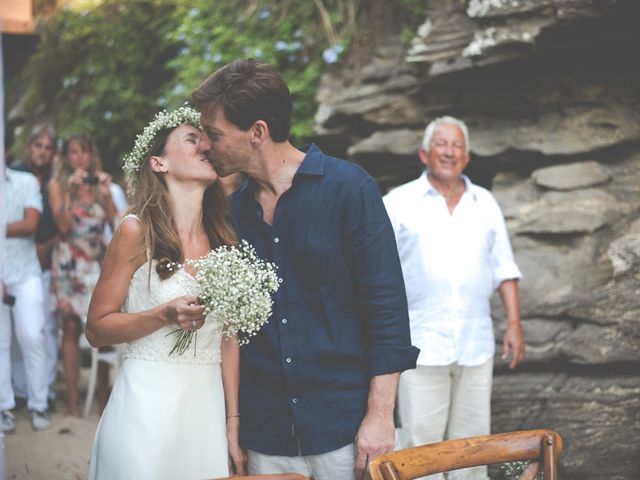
[318,383]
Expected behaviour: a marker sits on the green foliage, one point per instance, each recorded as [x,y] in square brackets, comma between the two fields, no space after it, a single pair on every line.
[100,71]
[416,9]
[513,470]
[414,13]
[106,67]
[284,33]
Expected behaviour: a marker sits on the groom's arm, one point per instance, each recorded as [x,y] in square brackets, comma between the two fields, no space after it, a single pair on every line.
[376,270]
[376,434]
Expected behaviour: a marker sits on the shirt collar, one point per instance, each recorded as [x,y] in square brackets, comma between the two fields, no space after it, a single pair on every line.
[312,164]
[428,189]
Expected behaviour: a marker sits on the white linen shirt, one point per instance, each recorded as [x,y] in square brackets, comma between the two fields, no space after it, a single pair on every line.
[452,263]
[21,191]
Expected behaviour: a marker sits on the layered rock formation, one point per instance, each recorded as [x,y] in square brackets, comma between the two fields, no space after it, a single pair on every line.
[550,90]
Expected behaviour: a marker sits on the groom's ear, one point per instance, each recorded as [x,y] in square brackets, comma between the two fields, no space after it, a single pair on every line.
[259,132]
[157,164]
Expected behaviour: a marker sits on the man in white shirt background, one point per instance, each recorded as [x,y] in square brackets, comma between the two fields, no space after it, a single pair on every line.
[22,306]
[41,149]
[455,252]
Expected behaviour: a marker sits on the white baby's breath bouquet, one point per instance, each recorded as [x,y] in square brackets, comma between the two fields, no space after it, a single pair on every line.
[236,285]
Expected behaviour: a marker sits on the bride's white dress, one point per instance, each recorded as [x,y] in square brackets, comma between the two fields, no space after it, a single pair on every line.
[165,418]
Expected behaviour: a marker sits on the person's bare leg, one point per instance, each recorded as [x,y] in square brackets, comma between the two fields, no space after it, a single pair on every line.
[71,361]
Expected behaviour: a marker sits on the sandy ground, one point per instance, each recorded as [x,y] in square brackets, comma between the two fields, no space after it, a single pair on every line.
[59,453]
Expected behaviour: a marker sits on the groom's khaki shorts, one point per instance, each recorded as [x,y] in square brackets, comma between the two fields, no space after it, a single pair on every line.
[338,464]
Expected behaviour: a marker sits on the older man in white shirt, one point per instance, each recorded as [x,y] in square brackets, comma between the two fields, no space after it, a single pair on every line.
[455,252]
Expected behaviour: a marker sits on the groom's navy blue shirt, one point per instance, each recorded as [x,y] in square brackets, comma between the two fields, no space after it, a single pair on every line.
[340,314]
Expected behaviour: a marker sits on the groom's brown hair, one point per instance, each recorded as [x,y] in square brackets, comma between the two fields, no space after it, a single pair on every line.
[247,91]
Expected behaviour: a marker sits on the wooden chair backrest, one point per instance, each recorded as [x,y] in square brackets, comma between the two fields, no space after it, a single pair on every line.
[541,447]
[271,476]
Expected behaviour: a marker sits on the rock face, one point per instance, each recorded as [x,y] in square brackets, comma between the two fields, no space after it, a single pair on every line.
[550,92]
[572,176]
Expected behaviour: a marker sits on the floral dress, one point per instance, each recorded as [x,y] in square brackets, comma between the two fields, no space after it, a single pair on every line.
[76,259]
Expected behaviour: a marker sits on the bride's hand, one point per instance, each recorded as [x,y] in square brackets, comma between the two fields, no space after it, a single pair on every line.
[237,454]
[185,312]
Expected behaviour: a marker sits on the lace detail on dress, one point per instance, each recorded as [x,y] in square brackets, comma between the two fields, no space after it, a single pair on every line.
[142,352]
[146,291]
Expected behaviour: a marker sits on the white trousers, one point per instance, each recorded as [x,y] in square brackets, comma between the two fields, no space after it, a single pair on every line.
[26,318]
[51,347]
[446,402]
[334,465]
[2,459]
[18,375]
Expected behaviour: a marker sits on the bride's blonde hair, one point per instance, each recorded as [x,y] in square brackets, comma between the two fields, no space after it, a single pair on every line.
[151,204]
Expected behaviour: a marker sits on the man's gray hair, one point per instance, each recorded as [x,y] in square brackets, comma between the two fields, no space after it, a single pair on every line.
[42,130]
[446,120]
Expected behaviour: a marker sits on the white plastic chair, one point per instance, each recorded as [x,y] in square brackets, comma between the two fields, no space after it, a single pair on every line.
[112,357]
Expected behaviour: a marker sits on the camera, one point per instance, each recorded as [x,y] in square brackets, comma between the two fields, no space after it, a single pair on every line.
[9,300]
[90,180]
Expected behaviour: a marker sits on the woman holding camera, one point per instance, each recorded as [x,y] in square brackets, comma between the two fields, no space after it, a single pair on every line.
[81,203]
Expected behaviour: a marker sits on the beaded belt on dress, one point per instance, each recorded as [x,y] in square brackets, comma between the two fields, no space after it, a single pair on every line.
[145,353]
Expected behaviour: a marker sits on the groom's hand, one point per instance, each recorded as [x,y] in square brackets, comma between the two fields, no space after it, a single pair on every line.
[376,436]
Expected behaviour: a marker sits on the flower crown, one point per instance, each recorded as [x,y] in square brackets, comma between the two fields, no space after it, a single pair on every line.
[163,120]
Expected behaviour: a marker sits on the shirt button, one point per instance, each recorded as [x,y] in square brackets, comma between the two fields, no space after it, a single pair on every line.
[288,359]
[294,400]
[276,240]
[284,320]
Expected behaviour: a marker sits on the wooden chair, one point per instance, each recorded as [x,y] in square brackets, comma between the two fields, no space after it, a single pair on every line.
[272,476]
[541,447]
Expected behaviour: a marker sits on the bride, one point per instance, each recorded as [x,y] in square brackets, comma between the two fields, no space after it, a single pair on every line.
[169,415]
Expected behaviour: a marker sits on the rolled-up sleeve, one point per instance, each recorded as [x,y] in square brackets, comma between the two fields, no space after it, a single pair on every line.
[502,259]
[32,195]
[377,275]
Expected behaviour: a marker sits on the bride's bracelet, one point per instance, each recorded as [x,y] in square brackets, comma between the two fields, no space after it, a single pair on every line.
[237,415]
